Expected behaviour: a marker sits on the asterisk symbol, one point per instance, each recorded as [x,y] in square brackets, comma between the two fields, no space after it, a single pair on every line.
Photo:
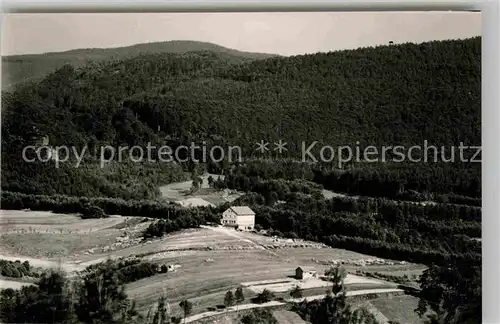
[262,146]
[280,146]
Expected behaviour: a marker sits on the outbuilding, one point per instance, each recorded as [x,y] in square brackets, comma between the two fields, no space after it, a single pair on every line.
[305,273]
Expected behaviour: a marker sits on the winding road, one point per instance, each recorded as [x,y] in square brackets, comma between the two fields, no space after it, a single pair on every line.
[197,317]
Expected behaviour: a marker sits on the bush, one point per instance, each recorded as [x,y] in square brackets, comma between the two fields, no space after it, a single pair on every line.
[16,269]
[91,211]
[259,316]
[128,270]
[264,297]
[176,319]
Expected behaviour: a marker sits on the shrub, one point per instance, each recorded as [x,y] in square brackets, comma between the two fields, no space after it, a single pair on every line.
[91,211]
[264,297]
[259,316]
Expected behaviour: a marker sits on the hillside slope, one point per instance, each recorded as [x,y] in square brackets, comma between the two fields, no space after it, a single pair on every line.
[17,68]
[389,95]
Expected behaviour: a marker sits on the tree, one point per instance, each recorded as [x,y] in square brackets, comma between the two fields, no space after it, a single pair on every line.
[92,211]
[176,320]
[102,296]
[336,274]
[210,181]
[197,180]
[333,308]
[296,292]
[52,301]
[452,291]
[265,296]
[239,297]
[259,316]
[161,314]
[337,302]
[187,307]
[194,186]
[229,299]
[361,316]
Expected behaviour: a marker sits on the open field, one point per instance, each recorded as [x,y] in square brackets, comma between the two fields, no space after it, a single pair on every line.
[398,308]
[280,286]
[275,305]
[379,316]
[5,284]
[61,237]
[287,317]
[47,222]
[207,273]
[181,191]
[212,260]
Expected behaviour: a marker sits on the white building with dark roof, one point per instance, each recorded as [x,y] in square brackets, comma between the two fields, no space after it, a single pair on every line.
[239,217]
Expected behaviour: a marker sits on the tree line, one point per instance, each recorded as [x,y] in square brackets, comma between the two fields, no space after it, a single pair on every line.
[130,270]
[110,206]
[17,269]
[404,182]
[300,192]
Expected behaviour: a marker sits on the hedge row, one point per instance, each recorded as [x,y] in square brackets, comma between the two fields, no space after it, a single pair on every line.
[110,206]
[16,269]
[131,270]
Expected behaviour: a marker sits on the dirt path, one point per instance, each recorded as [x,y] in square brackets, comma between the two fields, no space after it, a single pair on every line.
[43,263]
[5,284]
[295,300]
[284,285]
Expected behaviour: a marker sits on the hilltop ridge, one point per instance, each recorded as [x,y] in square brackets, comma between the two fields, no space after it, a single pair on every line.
[17,68]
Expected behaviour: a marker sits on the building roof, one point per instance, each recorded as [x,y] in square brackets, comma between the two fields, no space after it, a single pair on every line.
[306,269]
[242,210]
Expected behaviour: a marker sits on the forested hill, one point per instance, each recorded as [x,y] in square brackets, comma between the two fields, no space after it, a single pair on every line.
[388,95]
[17,68]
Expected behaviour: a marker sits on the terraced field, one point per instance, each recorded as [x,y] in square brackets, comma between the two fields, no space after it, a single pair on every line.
[210,260]
[287,317]
[63,237]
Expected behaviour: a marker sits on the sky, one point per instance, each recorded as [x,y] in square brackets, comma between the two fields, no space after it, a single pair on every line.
[278,33]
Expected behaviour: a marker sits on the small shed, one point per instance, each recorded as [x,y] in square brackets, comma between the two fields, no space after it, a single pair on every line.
[305,272]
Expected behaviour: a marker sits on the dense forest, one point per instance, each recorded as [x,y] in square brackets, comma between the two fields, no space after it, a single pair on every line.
[388,95]
[401,95]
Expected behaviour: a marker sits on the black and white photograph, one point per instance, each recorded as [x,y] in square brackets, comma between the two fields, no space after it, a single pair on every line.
[241,168]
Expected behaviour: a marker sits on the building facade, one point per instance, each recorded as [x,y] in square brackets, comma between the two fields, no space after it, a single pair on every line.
[239,217]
